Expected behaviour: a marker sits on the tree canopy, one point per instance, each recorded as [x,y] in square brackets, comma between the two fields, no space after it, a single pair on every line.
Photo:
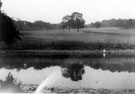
[8,30]
[75,21]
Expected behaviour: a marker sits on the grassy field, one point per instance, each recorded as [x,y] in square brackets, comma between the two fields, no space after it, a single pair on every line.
[104,35]
[85,39]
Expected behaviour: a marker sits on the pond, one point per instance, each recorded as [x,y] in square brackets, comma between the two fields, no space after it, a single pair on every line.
[68,74]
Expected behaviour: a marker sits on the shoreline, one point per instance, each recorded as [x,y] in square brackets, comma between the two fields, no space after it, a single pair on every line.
[86,91]
[68,53]
[32,89]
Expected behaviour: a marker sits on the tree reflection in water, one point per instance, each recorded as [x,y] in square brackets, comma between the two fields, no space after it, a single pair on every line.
[10,84]
[73,69]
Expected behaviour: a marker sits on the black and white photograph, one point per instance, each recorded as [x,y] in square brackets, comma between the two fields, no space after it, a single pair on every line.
[67,46]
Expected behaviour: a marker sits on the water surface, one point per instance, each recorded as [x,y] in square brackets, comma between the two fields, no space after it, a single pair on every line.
[107,73]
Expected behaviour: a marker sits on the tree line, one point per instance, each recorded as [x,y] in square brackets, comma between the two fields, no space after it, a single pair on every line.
[74,21]
[122,23]
[37,25]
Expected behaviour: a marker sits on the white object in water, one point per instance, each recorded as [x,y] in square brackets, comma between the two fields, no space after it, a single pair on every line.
[104,51]
[104,54]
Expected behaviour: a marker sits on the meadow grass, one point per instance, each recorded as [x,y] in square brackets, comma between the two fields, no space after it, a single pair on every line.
[85,39]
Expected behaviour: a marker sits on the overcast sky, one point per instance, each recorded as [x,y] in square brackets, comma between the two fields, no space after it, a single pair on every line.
[53,10]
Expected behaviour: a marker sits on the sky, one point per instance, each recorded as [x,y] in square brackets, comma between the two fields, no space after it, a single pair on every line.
[53,10]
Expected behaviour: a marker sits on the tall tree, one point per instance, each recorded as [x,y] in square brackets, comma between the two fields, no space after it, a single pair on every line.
[75,21]
[8,30]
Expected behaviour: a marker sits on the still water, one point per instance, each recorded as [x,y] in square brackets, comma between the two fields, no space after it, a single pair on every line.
[74,73]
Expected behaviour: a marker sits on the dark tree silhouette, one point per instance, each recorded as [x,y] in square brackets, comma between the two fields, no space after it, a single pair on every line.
[74,21]
[77,20]
[0,5]
[97,25]
[66,22]
[8,30]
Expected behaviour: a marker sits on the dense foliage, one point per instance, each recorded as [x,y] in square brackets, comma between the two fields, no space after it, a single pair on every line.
[37,25]
[74,21]
[123,23]
[8,31]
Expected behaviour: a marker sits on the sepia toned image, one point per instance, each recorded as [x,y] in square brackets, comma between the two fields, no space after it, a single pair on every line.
[67,46]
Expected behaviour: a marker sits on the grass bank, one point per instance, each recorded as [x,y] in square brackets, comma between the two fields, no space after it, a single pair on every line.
[68,53]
